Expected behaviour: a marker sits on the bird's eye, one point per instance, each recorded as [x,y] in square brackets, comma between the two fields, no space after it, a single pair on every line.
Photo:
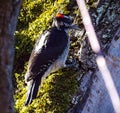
[61,23]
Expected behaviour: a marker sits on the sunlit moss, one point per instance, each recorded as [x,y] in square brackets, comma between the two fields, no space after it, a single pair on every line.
[54,96]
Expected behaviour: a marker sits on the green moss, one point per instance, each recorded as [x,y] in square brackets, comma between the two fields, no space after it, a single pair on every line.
[54,95]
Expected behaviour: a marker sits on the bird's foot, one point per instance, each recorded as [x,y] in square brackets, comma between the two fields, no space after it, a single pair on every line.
[71,64]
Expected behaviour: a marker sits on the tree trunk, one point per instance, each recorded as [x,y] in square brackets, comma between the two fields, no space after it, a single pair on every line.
[9,10]
[92,95]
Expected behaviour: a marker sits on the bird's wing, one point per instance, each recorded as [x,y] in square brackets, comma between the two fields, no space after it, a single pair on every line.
[42,57]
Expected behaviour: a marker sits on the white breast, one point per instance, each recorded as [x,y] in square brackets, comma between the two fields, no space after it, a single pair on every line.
[59,63]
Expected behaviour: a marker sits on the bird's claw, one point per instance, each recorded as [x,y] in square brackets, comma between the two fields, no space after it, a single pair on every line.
[72,64]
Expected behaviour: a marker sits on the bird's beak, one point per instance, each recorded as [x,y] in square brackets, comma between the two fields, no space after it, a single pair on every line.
[74,26]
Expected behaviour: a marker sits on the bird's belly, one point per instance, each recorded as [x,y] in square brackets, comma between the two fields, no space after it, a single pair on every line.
[59,63]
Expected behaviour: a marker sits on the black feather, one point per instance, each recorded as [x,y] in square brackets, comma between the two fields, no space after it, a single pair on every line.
[32,90]
[54,45]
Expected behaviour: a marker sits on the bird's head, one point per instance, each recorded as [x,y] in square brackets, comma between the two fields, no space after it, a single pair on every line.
[62,21]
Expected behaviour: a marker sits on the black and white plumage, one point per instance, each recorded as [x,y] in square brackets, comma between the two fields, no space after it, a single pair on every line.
[49,54]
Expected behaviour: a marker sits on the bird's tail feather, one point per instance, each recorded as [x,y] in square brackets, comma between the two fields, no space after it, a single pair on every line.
[32,91]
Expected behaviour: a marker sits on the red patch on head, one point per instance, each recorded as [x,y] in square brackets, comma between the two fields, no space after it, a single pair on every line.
[60,15]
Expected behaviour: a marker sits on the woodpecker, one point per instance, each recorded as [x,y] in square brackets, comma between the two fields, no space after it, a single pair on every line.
[49,54]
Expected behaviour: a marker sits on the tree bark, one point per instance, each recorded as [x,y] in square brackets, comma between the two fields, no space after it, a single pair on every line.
[9,10]
[92,95]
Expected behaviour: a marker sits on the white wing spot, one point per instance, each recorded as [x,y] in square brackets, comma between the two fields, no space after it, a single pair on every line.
[41,42]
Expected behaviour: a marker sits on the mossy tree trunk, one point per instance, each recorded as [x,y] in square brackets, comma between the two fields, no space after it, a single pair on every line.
[92,95]
[9,10]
